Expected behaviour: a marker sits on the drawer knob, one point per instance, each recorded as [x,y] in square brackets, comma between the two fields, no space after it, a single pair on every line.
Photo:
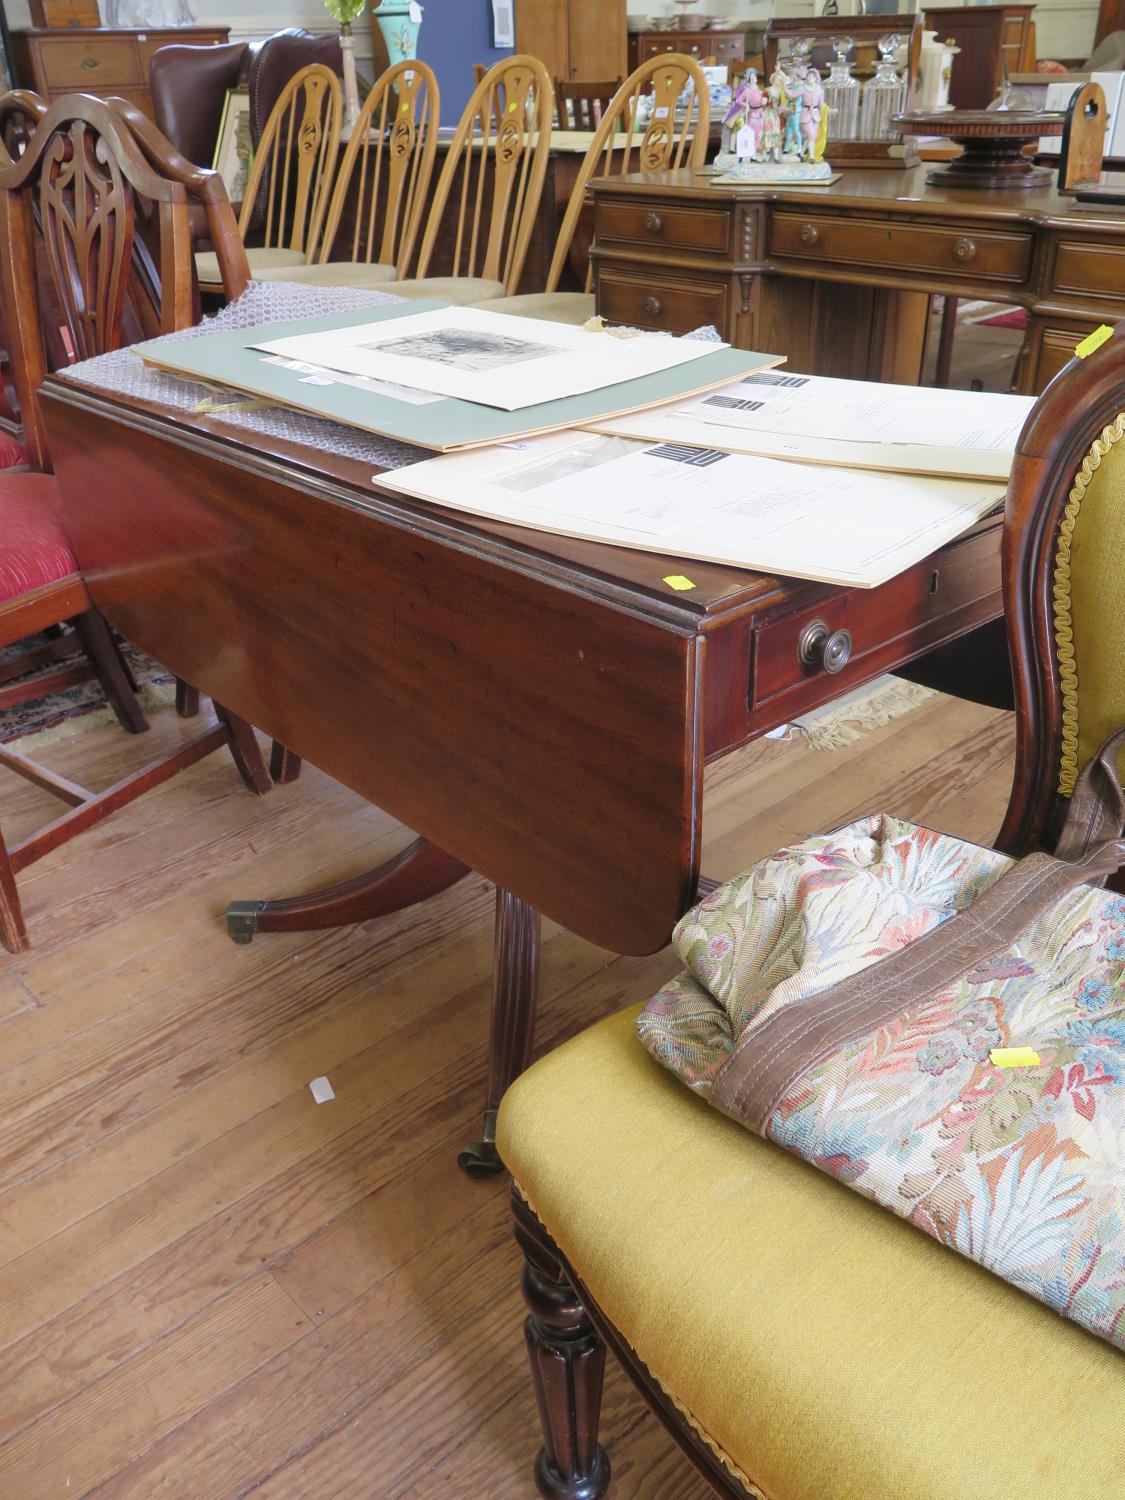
[816,647]
[653,306]
[89,63]
[965,248]
[654,223]
[809,234]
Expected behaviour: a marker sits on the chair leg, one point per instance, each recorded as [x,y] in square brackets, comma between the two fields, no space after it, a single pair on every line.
[567,1367]
[247,754]
[187,699]
[99,645]
[13,934]
[284,765]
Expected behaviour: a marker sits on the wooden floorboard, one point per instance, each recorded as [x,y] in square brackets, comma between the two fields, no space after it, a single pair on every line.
[211,1286]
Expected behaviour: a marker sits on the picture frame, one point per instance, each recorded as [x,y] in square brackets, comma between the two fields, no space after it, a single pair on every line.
[234,147]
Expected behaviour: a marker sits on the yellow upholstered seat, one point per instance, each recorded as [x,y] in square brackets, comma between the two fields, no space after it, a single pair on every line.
[361,273]
[458,291]
[263,262]
[556,307]
[826,1349]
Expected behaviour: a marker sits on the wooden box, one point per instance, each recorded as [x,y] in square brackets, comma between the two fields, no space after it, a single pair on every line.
[54,13]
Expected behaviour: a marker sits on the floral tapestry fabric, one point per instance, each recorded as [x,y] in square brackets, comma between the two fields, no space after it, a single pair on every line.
[1022,1170]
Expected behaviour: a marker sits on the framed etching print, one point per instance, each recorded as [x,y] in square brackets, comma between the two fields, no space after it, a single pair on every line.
[234,149]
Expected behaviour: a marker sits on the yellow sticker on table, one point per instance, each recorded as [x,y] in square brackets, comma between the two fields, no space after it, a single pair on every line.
[1014,1057]
[1094,341]
[678,582]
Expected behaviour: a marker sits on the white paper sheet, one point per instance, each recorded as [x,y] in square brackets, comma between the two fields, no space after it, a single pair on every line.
[850,526]
[855,423]
[495,360]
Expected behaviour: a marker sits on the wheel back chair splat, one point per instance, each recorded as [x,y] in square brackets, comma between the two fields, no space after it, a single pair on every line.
[75,192]
[796,1340]
[498,171]
[291,177]
[669,141]
[382,187]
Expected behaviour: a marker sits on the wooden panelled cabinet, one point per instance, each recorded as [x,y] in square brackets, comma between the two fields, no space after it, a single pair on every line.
[989,36]
[105,60]
[725,47]
[579,39]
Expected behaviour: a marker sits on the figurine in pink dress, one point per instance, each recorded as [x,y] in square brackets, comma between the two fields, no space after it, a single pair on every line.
[812,99]
[756,112]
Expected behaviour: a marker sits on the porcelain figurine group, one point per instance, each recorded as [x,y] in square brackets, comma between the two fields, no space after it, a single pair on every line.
[787,119]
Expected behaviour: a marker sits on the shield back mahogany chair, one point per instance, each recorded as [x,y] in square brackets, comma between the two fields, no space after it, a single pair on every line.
[669,140]
[493,177]
[291,177]
[582,106]
[797,1341]
[68,207]
[383,185]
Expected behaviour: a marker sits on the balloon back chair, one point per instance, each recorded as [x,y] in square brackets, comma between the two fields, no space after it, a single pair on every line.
[796,1340]
[68,217]
[656,138]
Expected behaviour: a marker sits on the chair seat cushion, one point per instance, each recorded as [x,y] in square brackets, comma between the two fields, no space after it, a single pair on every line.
[34,547]
[359,273]
[556,307]
[261,261]
[458,291]
[825,1347]
[11,452]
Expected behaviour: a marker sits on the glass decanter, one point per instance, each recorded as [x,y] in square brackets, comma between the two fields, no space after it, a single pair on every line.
[841,93]
[884,95]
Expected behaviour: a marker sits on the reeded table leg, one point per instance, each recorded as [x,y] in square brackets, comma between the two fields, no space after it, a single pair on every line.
[515,990]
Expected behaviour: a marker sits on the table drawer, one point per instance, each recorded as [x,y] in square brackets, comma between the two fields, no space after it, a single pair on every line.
[1093,271]
[669,305]
[980,254]
[657,227]
[875,630]
[90,66]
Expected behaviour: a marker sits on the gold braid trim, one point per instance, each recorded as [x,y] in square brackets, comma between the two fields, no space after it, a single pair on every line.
[1064,619]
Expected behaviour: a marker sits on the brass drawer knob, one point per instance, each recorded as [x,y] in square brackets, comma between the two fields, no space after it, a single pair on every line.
[816,647]
[965,248]
[809,234]
[653,306]
[89,62]
[654,223]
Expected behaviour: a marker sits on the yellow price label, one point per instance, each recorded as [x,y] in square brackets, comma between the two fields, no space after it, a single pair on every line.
[1014,1057]
[678,582]
[1094,341]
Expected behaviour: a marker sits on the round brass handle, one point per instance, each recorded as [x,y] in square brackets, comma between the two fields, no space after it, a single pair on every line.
[653,306]
[89,63]
[654,223]
[965,248]
[809,234]
[816,647]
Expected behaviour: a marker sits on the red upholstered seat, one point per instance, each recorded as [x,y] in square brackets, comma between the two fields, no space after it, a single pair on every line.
[11,452]
[34,548]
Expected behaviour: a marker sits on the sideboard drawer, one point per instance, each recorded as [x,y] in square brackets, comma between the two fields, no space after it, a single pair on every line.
[664,227]
[669,305]
[1094,271]
[862,632]
[91,66]
[981,254]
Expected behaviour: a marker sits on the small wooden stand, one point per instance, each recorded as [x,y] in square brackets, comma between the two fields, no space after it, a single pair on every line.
[993,143]
[865,31]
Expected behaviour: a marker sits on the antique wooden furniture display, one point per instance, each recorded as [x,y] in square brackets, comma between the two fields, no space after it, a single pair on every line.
[726,47]
[574,38]
[74,190]
[865,32]
[382,186]
[291,177]
[993,145]
[493,173]
[670,139]
[104,61]
[730,1279]
[537,709]
[64,13]
[581,105]
[839,279]
[995,41]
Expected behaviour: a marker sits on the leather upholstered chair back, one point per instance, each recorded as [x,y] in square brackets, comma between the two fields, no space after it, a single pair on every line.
[274,62]
[189,87]
[1063,580]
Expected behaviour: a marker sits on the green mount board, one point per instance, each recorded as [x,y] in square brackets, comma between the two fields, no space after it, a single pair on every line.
[226,359]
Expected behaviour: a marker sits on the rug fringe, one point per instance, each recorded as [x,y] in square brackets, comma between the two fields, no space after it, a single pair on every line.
[151,697]
[857,715]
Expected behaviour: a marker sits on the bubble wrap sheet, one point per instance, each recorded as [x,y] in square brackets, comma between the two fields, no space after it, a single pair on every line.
[123,374]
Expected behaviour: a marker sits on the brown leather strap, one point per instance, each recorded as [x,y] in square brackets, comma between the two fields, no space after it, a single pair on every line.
[770,1059]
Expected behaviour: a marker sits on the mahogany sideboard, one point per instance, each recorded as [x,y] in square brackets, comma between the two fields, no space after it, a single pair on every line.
[839,277]
[537,708]
[99,60]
